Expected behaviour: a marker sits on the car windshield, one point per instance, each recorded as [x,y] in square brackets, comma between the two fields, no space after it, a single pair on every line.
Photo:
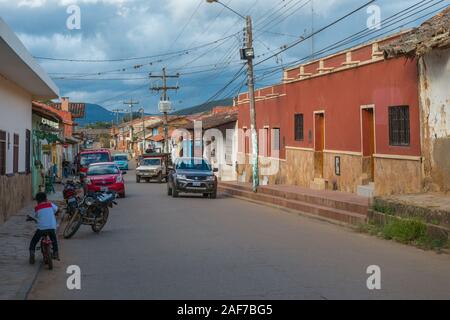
[120,158]
[192,164]
[151,162]
[89,158]
[102,170]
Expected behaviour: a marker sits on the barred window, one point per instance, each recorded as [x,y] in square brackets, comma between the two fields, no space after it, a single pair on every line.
[2,153]
[298,127]
[399,134]
[16,154]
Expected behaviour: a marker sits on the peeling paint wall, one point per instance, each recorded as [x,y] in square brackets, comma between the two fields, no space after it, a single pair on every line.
[434,69]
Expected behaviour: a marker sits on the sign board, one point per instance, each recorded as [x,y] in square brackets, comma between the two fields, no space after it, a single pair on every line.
[50,123]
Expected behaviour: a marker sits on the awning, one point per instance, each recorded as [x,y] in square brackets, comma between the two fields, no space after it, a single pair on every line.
[157,138]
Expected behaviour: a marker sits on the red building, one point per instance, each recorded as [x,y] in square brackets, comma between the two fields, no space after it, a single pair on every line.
[348,122]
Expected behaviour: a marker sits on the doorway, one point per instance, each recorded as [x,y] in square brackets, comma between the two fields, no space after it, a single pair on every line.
[368,142]
[319,143]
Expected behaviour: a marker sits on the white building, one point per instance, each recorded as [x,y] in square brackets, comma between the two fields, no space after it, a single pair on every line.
[21,81]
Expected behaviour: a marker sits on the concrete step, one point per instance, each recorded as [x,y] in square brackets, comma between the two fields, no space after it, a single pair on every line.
[366,190]
[333,214]
[310,197]
[318,184]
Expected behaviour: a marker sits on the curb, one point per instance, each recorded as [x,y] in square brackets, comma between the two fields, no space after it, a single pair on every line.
[300,213]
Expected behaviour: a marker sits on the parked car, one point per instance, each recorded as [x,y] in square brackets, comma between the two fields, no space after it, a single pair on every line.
[153,166]
[192,175]
[121,159]
[105,177]
[88,157]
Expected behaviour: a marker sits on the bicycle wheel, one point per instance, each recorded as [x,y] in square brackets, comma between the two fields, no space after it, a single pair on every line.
[47,256]
[73,225]
[100,223]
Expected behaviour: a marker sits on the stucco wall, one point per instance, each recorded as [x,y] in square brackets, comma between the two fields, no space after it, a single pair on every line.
[435,113]
[15,111]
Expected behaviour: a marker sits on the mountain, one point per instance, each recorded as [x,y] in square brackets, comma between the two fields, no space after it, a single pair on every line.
[204,107]
[95,113]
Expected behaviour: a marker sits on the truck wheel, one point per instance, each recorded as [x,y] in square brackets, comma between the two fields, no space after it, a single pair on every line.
[175,193]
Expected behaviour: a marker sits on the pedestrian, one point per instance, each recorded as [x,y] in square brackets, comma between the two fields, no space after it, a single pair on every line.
[45,214]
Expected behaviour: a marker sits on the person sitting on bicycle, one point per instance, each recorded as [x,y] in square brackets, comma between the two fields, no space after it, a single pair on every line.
[45,214]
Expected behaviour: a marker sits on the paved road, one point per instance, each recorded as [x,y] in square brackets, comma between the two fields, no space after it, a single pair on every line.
[156,247]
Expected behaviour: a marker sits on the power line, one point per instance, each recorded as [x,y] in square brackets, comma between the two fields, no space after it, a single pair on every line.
[138,58]
[187,23]
[287,47]
[364,33]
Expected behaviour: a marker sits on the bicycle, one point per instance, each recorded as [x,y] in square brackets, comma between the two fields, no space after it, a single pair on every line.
[46,247]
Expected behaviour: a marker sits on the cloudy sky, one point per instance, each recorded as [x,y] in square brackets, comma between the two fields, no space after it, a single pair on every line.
[120,42]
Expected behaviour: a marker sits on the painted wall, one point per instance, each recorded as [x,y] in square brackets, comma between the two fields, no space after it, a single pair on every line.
[15,111]
[340,95]
[435,104]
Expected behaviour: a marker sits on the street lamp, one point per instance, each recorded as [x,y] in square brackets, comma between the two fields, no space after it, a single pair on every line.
[248,54]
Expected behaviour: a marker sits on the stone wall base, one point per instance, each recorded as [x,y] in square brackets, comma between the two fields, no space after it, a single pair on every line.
[391,176]
[15,193]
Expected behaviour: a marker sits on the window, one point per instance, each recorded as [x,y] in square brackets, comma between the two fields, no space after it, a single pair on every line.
[28,152]
[276,141]
[16,153]
[298,126]
[2,153]
[399,126]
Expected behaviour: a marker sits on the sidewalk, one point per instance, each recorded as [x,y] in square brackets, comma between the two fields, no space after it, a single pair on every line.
[16,275]
[333,206]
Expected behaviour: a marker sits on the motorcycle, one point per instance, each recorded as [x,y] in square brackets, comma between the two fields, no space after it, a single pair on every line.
[71,194]
[92,210]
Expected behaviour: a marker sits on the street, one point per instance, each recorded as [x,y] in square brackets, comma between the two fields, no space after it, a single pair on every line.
[157,247]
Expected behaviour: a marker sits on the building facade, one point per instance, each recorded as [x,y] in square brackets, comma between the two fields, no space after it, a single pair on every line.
[21,81]
[347,122]
[429,45]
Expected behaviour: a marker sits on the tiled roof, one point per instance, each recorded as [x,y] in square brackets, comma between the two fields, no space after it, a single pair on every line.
[432,34]
[216,119]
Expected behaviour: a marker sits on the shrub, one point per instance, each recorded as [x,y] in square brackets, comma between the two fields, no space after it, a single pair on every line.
[405,231]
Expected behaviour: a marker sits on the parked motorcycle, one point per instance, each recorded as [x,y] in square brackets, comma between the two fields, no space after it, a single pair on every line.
[92,210]
[72,193]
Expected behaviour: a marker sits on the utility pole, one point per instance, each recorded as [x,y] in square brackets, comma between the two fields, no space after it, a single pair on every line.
[249,54]
[117,111]
[130,105]
[164,104]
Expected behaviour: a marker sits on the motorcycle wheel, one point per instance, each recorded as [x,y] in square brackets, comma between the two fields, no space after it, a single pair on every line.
[98,226]
[73,225]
